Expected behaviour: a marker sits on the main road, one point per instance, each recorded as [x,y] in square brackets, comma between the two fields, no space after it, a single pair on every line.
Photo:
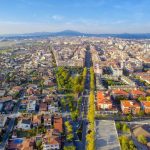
[85,98]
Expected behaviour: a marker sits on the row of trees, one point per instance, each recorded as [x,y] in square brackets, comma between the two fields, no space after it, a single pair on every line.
[69,131]
[90,138]
[91,134]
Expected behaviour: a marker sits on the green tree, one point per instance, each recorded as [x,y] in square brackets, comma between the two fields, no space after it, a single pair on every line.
[84,72]
[69,131]
[129,117]
[118,126]
[131,145]
[39,145]
[142,139]
[69,147]
[69,137]
[74,115]
[77,88]
[126,144]
[148,98]
[141,98]
[141,113]
[125,128]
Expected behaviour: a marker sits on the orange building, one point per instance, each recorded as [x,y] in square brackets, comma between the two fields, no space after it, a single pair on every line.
[130,106]
[119,92]
[146,106]
[136,93]
[103,102]
[58,123]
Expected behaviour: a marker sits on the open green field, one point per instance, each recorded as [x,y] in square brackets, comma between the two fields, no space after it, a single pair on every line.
[7,44]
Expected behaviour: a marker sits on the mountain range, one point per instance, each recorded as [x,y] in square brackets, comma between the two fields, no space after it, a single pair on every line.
[74,33]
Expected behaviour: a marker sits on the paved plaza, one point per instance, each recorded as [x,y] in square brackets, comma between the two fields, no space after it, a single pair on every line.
[106,135]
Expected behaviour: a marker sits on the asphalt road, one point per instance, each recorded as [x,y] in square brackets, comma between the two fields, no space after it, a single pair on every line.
[6,136]
[86,98]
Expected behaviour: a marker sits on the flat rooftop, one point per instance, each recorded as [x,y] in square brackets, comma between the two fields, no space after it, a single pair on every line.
[106,135]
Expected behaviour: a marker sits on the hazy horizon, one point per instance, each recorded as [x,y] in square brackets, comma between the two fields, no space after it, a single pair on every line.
[9,34]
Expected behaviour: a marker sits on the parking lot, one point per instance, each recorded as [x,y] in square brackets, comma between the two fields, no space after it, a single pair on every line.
[106,135]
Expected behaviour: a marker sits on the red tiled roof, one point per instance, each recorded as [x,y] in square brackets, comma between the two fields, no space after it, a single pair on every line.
[100,95]
[101,99]
[119,92]
[146,103]
[58,124]
[129,103]
[137,92]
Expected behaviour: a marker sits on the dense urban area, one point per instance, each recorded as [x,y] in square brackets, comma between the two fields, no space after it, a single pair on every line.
[74,93]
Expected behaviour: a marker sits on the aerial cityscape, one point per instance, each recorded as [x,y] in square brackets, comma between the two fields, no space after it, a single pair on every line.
[74,75]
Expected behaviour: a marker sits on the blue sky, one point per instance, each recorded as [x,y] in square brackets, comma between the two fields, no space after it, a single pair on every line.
[91,16]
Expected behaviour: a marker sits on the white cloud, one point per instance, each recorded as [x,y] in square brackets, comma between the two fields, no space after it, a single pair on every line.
[57,17]
[119,22]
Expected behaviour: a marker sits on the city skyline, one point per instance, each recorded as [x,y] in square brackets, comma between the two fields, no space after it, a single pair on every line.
[97,16]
